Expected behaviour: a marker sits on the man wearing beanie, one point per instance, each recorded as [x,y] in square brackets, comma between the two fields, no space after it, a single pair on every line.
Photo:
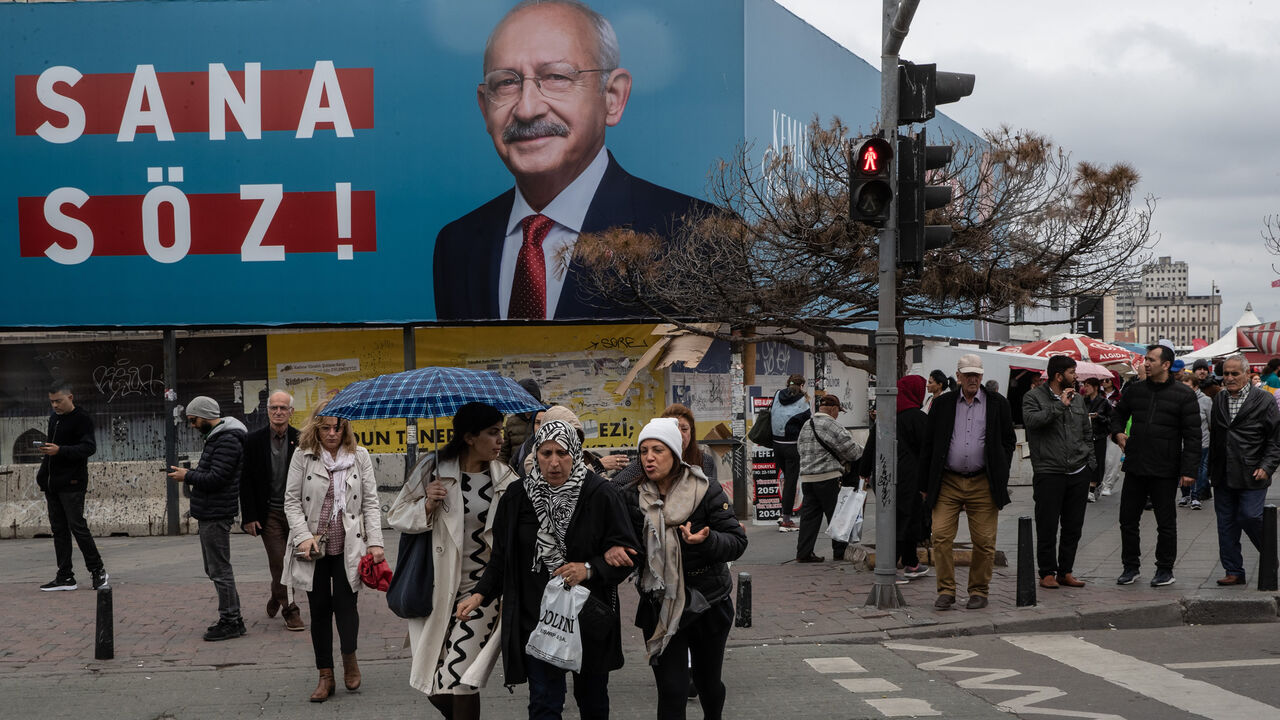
[215,498]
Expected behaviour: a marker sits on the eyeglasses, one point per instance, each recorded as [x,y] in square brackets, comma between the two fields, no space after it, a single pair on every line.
[1228,372]
[279,408]
[554,81]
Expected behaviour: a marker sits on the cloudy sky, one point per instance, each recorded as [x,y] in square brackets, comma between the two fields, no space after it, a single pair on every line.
[1186,92]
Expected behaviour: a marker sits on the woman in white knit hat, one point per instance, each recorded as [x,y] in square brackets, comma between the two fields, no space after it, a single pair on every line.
[688,534]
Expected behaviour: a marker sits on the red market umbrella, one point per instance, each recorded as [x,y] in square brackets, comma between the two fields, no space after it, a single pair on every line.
[1080,347]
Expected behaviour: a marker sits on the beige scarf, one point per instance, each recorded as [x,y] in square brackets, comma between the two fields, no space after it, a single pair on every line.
[664,568]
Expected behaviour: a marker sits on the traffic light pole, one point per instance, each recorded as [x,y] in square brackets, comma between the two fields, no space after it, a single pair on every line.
[884,592]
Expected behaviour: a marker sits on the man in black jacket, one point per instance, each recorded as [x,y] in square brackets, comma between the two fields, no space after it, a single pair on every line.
[63,478]
[1244,450]
[968,448]
[215,498]
[267,453]
[1163,445]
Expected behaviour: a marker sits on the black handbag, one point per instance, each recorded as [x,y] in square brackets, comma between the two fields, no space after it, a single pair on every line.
[409,595]
[762,429]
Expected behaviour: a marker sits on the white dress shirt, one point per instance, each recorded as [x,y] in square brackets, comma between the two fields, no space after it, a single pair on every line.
[568,210]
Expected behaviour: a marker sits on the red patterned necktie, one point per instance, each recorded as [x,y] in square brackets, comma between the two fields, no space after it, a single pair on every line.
[529,290]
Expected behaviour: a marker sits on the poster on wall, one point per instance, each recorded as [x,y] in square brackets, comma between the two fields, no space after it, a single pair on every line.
[373,150]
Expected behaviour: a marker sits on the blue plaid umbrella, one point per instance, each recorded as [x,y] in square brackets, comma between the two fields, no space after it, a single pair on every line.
[427,393]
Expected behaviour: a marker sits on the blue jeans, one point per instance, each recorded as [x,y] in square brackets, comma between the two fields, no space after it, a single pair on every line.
[1201,487]
[547,689]
[1237,510]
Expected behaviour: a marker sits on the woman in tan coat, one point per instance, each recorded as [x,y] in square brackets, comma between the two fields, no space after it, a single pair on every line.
[453,494]
[331,503]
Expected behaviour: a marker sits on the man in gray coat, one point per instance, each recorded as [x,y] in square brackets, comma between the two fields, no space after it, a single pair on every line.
[1244,450]
[1060,434]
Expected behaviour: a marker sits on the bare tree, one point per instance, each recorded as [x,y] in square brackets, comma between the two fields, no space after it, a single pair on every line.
[1028,226]
[1271,236]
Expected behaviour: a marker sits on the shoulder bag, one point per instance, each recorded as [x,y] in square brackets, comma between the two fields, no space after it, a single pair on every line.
[849,472]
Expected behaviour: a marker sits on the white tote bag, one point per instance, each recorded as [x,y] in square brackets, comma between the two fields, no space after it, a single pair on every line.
[846,520]
[557,639]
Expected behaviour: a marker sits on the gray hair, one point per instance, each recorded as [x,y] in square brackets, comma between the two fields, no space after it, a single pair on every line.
[1238,358]
[608,55]
[286,393]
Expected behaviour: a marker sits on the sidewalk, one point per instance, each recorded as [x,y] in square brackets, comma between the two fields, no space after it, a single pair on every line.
[162,600]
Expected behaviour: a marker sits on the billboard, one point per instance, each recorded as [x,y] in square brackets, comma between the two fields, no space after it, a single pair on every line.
[315,161]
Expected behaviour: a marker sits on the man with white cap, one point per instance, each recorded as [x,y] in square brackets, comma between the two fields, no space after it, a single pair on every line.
[215,500]
[964,464]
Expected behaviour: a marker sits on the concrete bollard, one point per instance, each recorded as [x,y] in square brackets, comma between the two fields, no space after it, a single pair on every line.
[1267,558]
[1026,563]
[105,645]
[743,619]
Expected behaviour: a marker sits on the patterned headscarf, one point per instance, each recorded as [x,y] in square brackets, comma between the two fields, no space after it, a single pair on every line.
[554,506]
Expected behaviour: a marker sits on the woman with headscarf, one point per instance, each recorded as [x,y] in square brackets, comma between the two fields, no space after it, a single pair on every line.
[558,521]
[452,494]
[909,495]
[686,606]
[594,463]
[331,504]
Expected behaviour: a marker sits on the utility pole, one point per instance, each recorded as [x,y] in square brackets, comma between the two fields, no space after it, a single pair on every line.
[884,593]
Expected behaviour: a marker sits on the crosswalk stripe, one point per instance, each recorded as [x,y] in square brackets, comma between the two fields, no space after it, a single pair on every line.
[829,665]
[902,707]
[1149,679]
[867,685]
[1258,662]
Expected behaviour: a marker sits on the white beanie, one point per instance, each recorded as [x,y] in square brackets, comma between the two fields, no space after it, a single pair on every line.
[668,431]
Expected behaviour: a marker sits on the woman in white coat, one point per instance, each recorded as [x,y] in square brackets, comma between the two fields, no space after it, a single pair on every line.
[331,503]
[454,494]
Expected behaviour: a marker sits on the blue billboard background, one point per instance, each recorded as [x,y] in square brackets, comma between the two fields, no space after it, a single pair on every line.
[706,75]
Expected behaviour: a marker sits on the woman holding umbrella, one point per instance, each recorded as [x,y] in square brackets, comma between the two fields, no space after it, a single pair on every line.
[331,503]
[557,522]
[452,494]
[689,533]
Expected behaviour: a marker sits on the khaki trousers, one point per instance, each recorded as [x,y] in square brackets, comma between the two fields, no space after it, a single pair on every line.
[973,496]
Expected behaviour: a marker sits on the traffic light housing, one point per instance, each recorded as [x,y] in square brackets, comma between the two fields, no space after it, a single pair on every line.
[870,191]
[921,88]
[916,197]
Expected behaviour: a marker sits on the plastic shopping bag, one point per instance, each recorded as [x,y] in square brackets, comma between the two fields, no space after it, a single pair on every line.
[846,520]
[557,639]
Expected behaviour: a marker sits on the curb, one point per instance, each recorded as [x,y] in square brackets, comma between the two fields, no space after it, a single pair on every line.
[1192,610]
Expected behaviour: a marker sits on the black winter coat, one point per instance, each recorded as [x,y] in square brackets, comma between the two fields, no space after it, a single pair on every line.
[913,424]
[1164,440]
[1246,443]
[255,481]
[599,522]
[706,566]
[1000,443]
[215,482]
[68,470]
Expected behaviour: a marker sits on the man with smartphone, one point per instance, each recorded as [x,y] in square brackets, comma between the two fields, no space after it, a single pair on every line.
[215,500]
[1060,434]
[63,478]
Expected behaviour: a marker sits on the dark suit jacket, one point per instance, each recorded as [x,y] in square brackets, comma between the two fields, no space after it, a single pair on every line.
[255,480]
[1246,443]
[468,251]
[1000,444]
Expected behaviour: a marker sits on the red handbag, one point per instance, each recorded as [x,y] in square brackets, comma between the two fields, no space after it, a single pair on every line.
[375,575]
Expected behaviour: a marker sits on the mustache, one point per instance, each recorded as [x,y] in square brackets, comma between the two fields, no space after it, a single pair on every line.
[518,130]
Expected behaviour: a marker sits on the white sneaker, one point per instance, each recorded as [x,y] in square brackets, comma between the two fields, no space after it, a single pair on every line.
[1092,496]
[1106,491]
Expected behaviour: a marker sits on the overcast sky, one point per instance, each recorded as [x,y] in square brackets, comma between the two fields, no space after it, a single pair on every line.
[1186,92]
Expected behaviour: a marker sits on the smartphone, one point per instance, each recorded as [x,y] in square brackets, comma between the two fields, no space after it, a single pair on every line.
[37,443]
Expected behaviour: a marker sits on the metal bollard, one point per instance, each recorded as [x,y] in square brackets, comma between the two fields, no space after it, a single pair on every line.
[1267,558]
[1026,564]
[743,619]
[105,647]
